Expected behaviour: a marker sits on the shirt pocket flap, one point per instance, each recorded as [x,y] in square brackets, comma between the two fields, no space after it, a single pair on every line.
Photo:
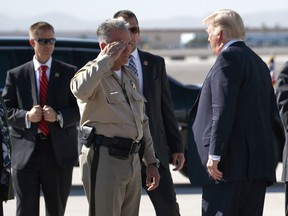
[138,97]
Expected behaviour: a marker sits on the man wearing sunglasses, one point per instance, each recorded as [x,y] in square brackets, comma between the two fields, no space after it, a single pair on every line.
[43,114]
[151,73]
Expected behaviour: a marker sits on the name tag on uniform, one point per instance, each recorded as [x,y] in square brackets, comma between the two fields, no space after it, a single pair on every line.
[115,92]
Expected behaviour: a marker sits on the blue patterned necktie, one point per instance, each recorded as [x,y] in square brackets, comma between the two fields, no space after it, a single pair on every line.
[132,65]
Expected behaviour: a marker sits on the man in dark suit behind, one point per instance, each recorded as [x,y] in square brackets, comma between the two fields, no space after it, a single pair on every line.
[233,125]
[163,124]
[44,131]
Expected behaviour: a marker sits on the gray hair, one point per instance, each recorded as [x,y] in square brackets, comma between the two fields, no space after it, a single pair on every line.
[104,30]
[228,21]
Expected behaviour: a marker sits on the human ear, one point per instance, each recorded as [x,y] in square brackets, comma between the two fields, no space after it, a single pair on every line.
[32,42]
[102,45]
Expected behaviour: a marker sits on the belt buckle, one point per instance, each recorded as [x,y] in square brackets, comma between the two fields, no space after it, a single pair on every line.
[135,147]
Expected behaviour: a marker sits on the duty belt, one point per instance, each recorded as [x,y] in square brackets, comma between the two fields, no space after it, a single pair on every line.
[119,143]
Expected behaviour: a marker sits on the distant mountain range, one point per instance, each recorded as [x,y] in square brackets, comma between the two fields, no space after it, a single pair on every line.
[63,22]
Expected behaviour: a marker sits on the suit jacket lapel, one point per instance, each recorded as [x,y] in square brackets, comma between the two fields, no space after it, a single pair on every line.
[145,71]
[53,82]
[34,91]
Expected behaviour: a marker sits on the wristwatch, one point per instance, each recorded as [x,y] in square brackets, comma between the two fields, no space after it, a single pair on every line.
[58,117]
[156,164]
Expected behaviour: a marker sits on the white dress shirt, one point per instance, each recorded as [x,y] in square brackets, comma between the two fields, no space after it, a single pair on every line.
[138,66]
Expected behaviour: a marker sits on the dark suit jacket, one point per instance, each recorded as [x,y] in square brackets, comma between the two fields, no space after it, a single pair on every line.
[20,95]
[159,108]
[282,97]
[234,118]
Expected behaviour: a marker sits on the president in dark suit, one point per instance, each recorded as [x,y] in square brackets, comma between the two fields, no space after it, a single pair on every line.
[163,124]
[232,127]
[43,114]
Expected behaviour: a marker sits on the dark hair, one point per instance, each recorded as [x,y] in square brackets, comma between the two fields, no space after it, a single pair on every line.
[125,14]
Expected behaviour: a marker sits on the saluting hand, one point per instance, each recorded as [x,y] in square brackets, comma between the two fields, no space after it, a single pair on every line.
[114,49]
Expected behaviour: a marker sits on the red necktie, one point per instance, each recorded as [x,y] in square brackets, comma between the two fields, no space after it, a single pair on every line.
[43,125]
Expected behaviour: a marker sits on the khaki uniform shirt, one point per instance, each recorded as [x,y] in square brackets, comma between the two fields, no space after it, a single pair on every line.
[103,103]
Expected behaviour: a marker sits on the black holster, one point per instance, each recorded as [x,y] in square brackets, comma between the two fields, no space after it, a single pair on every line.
[87,135]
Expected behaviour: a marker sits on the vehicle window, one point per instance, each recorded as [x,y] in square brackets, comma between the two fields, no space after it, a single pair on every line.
[22,56]
[6,62]
[63,55]
[20,53]
[78,57]
[10,58]
[82,57]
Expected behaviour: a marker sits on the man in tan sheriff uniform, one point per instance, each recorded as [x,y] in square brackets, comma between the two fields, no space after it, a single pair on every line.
[110,100]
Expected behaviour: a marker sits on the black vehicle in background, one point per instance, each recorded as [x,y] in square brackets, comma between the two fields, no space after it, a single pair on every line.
[15,51]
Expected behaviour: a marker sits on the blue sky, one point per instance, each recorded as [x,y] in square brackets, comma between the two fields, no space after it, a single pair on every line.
[145,9]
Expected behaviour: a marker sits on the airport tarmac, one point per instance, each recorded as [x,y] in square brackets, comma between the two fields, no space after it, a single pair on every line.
[189,199]
[193,70]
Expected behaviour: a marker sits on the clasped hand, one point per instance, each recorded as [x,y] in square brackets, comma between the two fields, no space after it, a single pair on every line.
[37,113]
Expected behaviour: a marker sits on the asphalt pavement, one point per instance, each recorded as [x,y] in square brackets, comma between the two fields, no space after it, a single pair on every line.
[189,199]
[193,70]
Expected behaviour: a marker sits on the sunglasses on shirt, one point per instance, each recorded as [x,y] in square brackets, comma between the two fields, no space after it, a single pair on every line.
[43,41]
[134,30]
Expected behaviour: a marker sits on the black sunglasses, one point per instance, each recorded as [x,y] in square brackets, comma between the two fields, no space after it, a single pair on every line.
[134,30]
[43,41]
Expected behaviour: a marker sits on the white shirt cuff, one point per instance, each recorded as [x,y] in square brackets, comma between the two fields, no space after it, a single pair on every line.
[27,122]
[60,119]
[215,157]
